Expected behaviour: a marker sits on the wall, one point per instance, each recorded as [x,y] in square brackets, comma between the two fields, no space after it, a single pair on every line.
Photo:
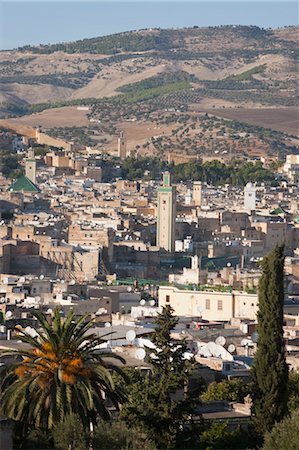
[213,306]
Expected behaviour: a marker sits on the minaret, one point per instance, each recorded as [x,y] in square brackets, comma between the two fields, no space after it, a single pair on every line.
[197,193]
[166,214]
[250,197]
[30,166]
[122,146]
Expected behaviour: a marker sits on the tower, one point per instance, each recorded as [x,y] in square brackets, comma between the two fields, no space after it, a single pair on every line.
[30,166]
[122,146]
[250,197]
[197,193]
[166,214]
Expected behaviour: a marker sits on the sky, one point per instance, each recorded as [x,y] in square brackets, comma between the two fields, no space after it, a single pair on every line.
[50,21]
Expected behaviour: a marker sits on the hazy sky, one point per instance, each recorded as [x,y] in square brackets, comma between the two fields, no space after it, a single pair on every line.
[41,21]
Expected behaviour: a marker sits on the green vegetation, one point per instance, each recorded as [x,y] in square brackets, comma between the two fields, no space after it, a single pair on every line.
[217,173]
[9,164]
[211,172]
[150,93]
[219,436]
[284,435]
[61,373]
[162,79]
[134,168]
[245,76]
[68,80]
[115,43]
[270,371]
[234,390]
[150,401]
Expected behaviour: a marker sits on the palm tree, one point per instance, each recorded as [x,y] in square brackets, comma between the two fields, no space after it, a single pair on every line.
[63,373]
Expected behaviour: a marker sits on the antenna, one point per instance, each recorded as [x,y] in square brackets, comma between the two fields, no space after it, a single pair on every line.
[220,340]
[245,342]
[130,335]
[140,353]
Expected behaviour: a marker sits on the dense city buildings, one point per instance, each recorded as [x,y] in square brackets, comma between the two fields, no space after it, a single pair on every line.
[153,208]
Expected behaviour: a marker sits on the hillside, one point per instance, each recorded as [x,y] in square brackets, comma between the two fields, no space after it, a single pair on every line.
[97,67]
[129,80]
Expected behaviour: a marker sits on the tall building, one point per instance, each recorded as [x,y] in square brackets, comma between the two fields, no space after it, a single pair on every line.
[197,193]
[122,146]
[166,214]
[30,166]
[250,197]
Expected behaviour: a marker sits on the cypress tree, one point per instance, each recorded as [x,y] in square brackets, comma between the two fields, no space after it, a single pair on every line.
[270,371]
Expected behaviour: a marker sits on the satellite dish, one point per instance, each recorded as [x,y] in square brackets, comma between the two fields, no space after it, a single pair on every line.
[129,289]
[142,302]
[42,277]
[152,302]
[245,342]
[211,347]
[31,331]
[220,340]
[130,335]
[231,348]
[140,353]
[107,324]
[8,315]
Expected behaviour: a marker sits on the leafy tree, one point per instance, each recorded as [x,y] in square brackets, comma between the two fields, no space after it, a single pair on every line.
[293,391]
[270,371]
[284,435]
[8,163]
[116,435]
[219,436]
[157,402]
[69,434]
[231,390]
[61,373]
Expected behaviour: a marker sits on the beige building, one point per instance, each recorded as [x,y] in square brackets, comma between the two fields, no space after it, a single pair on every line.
[209,305]
[30,166]
[122,146]
[197,193]
[166,215]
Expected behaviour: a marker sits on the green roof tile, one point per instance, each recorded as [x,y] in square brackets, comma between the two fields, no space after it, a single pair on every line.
[23,184]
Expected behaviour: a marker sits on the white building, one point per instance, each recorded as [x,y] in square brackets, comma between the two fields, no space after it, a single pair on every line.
[250,197]
[209,305]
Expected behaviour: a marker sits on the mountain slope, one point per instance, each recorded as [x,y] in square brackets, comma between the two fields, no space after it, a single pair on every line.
[98,67]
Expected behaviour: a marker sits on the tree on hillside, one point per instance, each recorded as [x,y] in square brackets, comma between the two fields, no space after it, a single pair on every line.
[61,373]
[158,402]
[270,371]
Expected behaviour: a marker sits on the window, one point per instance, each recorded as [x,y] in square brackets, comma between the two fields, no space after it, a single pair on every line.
[220,305]
[208,303]
[167,298]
